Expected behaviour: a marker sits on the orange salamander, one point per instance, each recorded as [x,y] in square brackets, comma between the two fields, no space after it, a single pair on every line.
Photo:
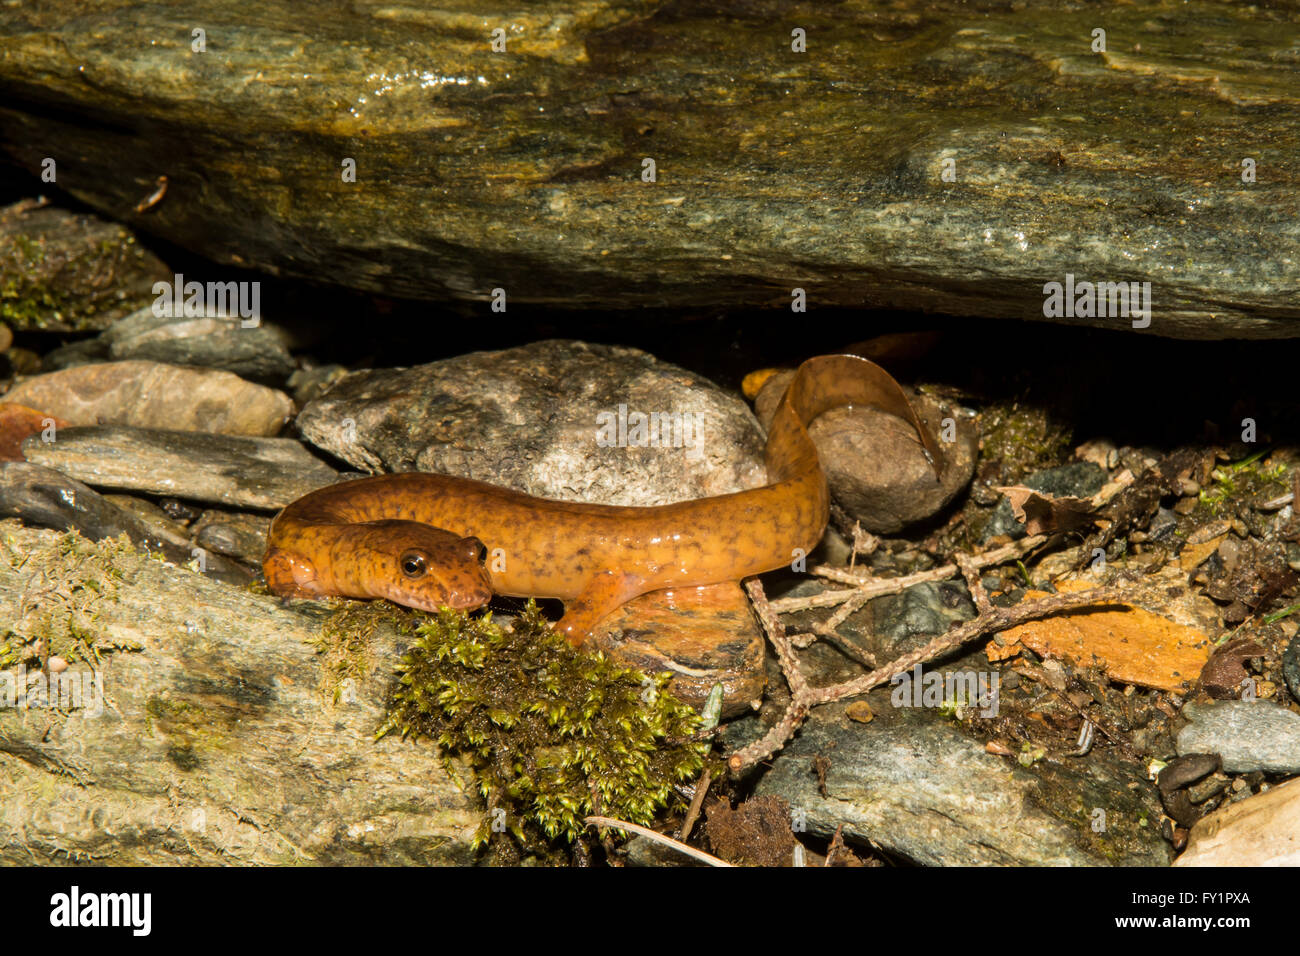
[422,539]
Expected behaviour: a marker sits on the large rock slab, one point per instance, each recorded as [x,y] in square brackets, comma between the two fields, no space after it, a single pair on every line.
[237,471]
[825,170]
[216,742]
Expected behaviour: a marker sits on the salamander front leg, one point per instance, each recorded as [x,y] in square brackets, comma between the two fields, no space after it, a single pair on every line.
[604,593]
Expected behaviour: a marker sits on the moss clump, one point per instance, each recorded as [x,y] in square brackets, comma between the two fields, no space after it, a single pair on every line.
[1253,479]
[64,585]
[552,734]
[1021,439]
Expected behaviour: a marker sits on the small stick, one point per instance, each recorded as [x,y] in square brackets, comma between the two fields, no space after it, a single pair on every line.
[697,801]
[657,838]
[878,587]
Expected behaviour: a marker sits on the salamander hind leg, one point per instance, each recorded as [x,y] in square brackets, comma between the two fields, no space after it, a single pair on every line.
[604,594]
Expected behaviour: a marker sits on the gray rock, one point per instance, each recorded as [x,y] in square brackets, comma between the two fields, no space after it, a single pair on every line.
[529,418]
[230,470]
[775,169]
[1248,735]
[154,395]
[211,342]
[45,498]
[1291,666]
[236,535]
[216,742]
[912,783]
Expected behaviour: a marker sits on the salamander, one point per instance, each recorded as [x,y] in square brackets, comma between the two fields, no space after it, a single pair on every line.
[423,540]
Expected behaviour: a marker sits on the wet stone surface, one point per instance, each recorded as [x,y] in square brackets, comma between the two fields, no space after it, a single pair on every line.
[951,157]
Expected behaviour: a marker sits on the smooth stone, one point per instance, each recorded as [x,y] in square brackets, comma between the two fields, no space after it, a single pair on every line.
[210,342]
[85,352]
[913,784]
[958,172]
[234,534]
[876,468]
[45,498]
[235,471]
[1262,830]
[1248,735]
[529,418]
[153,395]
[64,271]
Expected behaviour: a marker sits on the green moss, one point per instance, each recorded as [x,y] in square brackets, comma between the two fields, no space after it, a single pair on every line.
[1023,439]
[1250,480]
[346,640]
[552,734]
[65,584]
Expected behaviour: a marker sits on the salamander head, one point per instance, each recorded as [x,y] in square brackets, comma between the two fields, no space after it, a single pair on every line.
[420,566]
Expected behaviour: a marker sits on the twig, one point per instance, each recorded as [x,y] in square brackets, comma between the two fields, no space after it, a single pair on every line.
[697,801]
[871,587]
[803,698]
[657,838]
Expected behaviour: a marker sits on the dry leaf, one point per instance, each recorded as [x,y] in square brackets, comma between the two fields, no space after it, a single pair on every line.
[1131,646]
[1043,514]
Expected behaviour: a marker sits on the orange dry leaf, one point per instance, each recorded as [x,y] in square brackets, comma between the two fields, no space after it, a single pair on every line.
[1132,646]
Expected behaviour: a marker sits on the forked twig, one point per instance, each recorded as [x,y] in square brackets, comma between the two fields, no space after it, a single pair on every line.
[803,697]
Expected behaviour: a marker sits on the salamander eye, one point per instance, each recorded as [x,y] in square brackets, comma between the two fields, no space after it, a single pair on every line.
[414,564]
[477,549]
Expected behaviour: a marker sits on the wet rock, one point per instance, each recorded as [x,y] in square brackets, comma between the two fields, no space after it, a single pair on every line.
[1080,479]
[221,707]
[152,395]
[253,352]
[949,177]
[70,272]
[308,384]
[1263,830]
[1291,666]
[544,419]
[877,472]
[903,622]
[236,471]
[42,497]
[916,786]
[236,535]
[1248,735]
